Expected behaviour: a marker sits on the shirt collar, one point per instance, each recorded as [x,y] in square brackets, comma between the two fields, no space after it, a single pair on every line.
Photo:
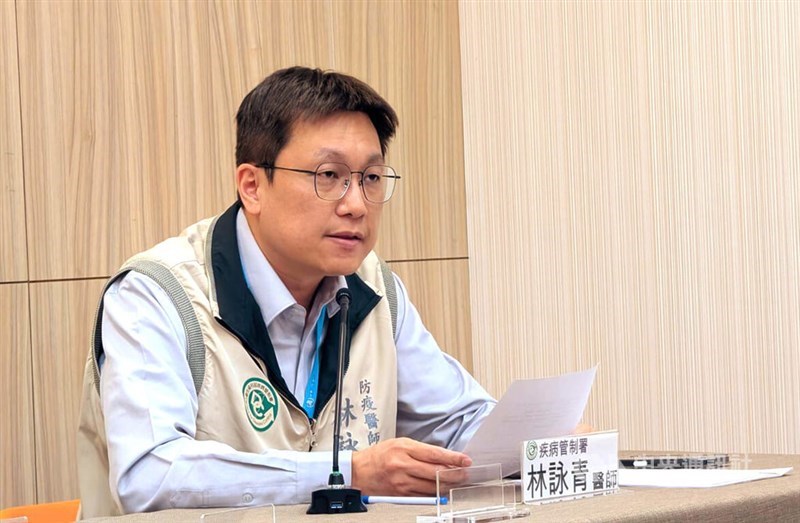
[239,313]
[268,289]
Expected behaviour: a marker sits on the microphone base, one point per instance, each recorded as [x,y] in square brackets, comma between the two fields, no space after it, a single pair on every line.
[336,501]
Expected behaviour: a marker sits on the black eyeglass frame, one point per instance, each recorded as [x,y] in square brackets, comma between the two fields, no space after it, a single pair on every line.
[347,184]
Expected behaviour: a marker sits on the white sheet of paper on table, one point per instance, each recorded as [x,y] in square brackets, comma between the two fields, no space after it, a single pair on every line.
[530,409]
[693,478]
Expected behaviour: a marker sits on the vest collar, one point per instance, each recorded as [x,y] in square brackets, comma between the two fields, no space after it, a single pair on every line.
[240,314]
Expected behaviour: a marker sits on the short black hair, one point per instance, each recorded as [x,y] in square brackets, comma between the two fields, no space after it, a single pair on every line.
[268,112]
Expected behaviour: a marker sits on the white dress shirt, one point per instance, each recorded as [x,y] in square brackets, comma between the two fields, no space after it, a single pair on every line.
[150,403]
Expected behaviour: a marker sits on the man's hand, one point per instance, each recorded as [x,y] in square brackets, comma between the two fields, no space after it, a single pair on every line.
[402,467]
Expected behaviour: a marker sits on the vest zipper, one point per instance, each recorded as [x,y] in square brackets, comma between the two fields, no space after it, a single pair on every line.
[312,425]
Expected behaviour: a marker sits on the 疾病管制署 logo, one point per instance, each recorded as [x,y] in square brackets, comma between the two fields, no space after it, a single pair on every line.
[260,403]
[531,449]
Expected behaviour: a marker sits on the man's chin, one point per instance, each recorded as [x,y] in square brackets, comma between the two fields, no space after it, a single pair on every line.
[345,267]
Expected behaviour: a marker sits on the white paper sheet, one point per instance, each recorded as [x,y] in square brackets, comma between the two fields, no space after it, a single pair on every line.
[693,478]
[530,409]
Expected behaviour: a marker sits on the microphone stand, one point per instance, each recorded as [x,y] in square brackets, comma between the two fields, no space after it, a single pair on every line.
[337,498]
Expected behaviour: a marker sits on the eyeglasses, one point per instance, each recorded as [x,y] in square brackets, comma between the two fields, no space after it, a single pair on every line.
[331,180]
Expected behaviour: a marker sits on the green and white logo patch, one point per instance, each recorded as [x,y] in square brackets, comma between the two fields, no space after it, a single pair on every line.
[531,450]
[260,403]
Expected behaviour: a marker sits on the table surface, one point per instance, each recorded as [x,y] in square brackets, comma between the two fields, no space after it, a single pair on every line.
[763,501]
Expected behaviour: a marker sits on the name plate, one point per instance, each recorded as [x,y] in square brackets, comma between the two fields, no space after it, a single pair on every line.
[569,467]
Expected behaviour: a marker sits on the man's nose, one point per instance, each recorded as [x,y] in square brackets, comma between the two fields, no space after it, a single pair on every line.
[353,201]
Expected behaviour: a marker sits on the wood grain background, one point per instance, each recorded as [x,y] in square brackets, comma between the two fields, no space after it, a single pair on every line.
[633,195]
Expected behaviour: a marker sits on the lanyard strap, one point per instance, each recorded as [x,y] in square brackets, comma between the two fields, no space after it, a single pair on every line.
[310,402]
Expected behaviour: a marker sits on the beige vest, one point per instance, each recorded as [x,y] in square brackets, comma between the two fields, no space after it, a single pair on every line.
[238,405]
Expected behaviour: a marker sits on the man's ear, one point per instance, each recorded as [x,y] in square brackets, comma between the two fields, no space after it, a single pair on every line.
[247,184]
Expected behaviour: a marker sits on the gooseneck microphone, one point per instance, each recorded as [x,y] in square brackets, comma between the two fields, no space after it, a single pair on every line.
[337,498]
[343,299]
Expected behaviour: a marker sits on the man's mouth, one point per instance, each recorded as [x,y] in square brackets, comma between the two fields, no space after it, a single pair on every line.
[350,236]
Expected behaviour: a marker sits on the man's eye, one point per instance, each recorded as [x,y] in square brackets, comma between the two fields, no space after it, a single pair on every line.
[327,174]
[372,178]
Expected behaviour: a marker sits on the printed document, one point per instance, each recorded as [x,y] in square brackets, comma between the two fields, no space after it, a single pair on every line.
[530,409]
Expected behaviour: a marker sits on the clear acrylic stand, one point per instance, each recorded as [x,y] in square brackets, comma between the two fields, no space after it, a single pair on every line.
[475,494]
[257,514]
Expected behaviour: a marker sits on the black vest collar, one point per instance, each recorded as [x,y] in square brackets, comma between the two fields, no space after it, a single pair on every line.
[240,314]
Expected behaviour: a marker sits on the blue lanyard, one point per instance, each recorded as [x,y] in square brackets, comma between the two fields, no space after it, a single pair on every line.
[310,403]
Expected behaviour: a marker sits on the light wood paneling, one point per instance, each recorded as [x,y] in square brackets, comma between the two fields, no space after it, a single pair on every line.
[295,33]
[128,113]
[439,290]
[409,52]
[18,475]
[13,259]
[62,313]
[633,194]
[127,119]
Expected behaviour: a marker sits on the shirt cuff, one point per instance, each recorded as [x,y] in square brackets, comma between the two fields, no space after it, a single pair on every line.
[314,468]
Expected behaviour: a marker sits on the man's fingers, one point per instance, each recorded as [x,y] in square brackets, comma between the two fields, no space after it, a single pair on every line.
[438,456]
[405,467]
[440,463]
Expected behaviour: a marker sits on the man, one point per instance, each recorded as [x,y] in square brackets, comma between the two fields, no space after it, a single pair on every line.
[212,373]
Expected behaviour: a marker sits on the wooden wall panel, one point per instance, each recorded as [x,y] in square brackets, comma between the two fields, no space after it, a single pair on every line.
[13,259]
[127,125]
[439,291]
[18,474]
[129,116]
[295,33]
[415,64]
[633,194]
[62,313]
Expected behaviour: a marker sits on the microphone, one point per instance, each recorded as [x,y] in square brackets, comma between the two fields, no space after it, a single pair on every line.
[337,498]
